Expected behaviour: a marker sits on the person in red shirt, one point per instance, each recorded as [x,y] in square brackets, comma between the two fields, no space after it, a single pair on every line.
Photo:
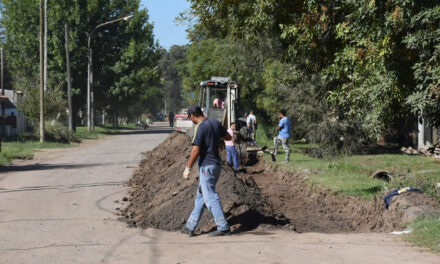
[219,102]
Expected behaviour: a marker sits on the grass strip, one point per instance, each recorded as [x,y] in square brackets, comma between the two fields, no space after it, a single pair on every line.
[351,175]
[25,149]
[27,145]
[426,233]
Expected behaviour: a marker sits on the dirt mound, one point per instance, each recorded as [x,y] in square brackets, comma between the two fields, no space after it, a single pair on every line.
[265,197]
[160,198]
[312,209]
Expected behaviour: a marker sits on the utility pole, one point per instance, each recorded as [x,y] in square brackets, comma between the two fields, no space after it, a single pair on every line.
[45,45]
[41,73]
[3,104]
[92,97]
[89,62]
[69,84]
[90,108]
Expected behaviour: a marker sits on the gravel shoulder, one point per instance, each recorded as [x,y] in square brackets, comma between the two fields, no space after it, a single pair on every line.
[60,208]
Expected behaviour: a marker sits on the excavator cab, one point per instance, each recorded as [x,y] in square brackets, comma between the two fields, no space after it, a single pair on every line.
[219,99]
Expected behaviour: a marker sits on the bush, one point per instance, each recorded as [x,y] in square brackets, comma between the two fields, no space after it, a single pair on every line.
[58,132]
[54,103]
[336,137]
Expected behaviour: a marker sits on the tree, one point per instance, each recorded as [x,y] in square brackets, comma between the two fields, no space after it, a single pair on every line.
[367,68]
[424,40]
[170,65]
[125,54]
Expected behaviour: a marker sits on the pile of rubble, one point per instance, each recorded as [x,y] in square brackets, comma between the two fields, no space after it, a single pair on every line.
[429,151]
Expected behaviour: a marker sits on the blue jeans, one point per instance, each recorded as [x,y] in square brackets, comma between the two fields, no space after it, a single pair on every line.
[252,134]
[206,195]
[231,153]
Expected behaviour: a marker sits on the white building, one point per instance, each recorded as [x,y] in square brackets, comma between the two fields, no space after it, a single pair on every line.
[427,135]
[20,123]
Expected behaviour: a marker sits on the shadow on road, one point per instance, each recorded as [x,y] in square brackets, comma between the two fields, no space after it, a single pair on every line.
[155,130]
[59,187]
[40,167]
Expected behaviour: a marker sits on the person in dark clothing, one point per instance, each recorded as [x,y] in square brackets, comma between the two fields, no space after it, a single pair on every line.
[171,119]
[207,135]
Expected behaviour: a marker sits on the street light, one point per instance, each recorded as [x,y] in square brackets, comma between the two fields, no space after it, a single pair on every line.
[90,115]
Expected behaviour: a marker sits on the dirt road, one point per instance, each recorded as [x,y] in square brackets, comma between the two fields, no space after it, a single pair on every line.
[60,208]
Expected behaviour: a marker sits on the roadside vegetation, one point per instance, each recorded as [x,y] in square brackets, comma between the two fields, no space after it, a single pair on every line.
[426,233]
[27,144]
[101,131]
[360,70]
[128,83]
[25,149]
[351,174]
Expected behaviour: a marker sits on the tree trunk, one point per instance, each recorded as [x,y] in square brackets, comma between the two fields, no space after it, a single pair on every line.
[69,80]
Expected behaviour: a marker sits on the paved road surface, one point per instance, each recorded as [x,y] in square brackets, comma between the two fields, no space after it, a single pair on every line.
[59,208]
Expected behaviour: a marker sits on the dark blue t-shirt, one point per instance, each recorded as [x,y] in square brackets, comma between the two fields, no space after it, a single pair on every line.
[207,136]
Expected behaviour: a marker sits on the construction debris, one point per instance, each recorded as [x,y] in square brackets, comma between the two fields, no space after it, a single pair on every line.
[429,151]
[432,151]
[410,151]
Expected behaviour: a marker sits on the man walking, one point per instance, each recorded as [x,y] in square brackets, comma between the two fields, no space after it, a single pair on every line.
[251,122]
[207,134]
[283,135]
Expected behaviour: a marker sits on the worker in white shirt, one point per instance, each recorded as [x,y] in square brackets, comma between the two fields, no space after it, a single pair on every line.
[251,122]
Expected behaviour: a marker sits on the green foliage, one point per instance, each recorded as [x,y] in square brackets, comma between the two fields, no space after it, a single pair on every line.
[292,89]
[426,233]
[336,137]
[171,63]
[124,53]
[22,48]
[24,149]
[344,68]
[58,132]
[54,104]
[424,40]
[351,175]
[238,60]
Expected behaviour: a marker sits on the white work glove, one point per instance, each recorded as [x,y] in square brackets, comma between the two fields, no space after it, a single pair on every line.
[186,173]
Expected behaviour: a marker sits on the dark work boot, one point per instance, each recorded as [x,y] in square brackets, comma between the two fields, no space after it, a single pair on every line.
[217,233]
[187,231]
[274,158]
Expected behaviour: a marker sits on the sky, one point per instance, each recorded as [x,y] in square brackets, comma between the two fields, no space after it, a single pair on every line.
[162,14]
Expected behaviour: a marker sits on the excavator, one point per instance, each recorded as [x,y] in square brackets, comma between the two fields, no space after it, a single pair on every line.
[225,91]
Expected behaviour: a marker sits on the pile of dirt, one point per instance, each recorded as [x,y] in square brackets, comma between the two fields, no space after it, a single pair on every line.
[264,197]
[160,198]
[312,209]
